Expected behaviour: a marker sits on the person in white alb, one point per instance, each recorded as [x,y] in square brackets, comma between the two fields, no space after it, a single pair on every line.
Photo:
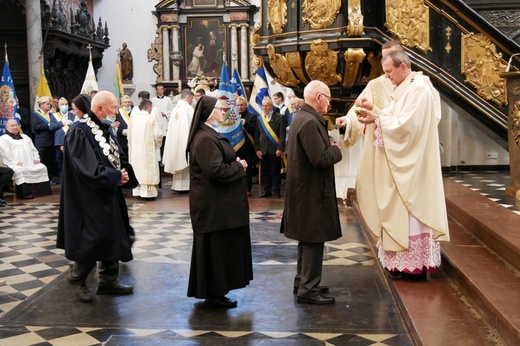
[174,157]
[144,141]
[164,106]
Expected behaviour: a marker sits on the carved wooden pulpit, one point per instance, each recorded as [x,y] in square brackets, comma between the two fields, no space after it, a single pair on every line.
[513,131]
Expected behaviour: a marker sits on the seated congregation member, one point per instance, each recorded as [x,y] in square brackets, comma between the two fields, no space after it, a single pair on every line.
[221,258]
[18,152]
[144,144]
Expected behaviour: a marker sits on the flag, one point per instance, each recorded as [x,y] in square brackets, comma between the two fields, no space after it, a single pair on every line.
[118,89]
[43,88]
[260,90]
[231,127]
[90,82]
[236,84]
[8,99]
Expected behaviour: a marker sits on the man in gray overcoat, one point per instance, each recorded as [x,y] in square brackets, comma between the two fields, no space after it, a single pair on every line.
[311,212]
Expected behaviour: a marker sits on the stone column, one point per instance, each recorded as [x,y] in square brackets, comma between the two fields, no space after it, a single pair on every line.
[244,52]
[33,23]
[166,53]
[234,47]
[513,132]
[175,48]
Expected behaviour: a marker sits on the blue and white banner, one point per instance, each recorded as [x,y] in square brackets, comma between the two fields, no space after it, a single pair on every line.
[231,127]
[260,90]
[8,99]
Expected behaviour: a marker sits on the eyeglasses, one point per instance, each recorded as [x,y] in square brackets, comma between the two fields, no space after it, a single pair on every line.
[327,97]
[222,109]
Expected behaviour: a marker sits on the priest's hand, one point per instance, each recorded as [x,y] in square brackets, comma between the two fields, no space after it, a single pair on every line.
[367,116]
[363,102]
[124,177]
[341,122]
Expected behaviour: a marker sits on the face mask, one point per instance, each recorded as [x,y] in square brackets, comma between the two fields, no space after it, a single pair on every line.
[128,109]
[215,124]
[64,109]
[108,120]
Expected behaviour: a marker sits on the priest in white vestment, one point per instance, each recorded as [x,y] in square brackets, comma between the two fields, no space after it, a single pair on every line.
[399,184]
[19,153]
[144,143]
[174,158]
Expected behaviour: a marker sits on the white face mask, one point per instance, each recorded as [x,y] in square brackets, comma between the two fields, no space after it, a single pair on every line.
[64,109]
[108,120]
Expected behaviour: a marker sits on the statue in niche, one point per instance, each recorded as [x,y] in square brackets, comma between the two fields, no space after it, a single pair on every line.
[127,72]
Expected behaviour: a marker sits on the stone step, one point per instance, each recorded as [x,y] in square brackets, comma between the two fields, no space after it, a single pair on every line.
[475,295]
[483,257]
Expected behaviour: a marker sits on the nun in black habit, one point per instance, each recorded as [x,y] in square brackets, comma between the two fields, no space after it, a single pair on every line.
[221,258]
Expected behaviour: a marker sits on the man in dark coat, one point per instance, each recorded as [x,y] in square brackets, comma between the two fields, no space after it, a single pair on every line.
[247,151]
[93,219]
[270,147]
[311,212]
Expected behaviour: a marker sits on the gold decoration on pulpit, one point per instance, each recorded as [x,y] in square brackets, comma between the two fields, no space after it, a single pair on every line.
[353,58]
[156,53]
[514,124]
[257,61]
[320,13]
[355,19]
[410,21]
[277,15]
[482,66]
[295,62]
[321,63]
[375,67]
[283,72]
[448,36]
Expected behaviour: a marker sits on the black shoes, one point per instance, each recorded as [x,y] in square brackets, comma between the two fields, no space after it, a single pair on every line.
[265,194]
[316,300]
[222,302]
[3,203]
[323,289]
[115,288]
[81,291]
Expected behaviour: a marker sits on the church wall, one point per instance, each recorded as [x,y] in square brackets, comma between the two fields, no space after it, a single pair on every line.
[130,22]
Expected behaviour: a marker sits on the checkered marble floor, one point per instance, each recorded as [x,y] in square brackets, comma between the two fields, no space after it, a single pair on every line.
[30,261]
[491,184]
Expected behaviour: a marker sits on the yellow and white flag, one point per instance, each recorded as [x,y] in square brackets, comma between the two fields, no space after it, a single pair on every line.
[43,88]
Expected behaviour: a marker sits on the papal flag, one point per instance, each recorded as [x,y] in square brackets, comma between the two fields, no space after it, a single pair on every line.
[8,99]
[260,90]
[118,89]
[231,127]
[90,82]
[43,88]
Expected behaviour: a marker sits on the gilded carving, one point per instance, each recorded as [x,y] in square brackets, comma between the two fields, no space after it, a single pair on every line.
[448,36]
[283,72]
[353,58]
[155,53]
[375,67]
[482,66]
[320,13]
[410,21]
[514,122]
[294,61]
[257,61]
[277,14]
[321,63]
[355,19]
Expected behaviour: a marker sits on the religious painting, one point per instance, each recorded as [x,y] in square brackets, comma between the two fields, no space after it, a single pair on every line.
[205,47]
